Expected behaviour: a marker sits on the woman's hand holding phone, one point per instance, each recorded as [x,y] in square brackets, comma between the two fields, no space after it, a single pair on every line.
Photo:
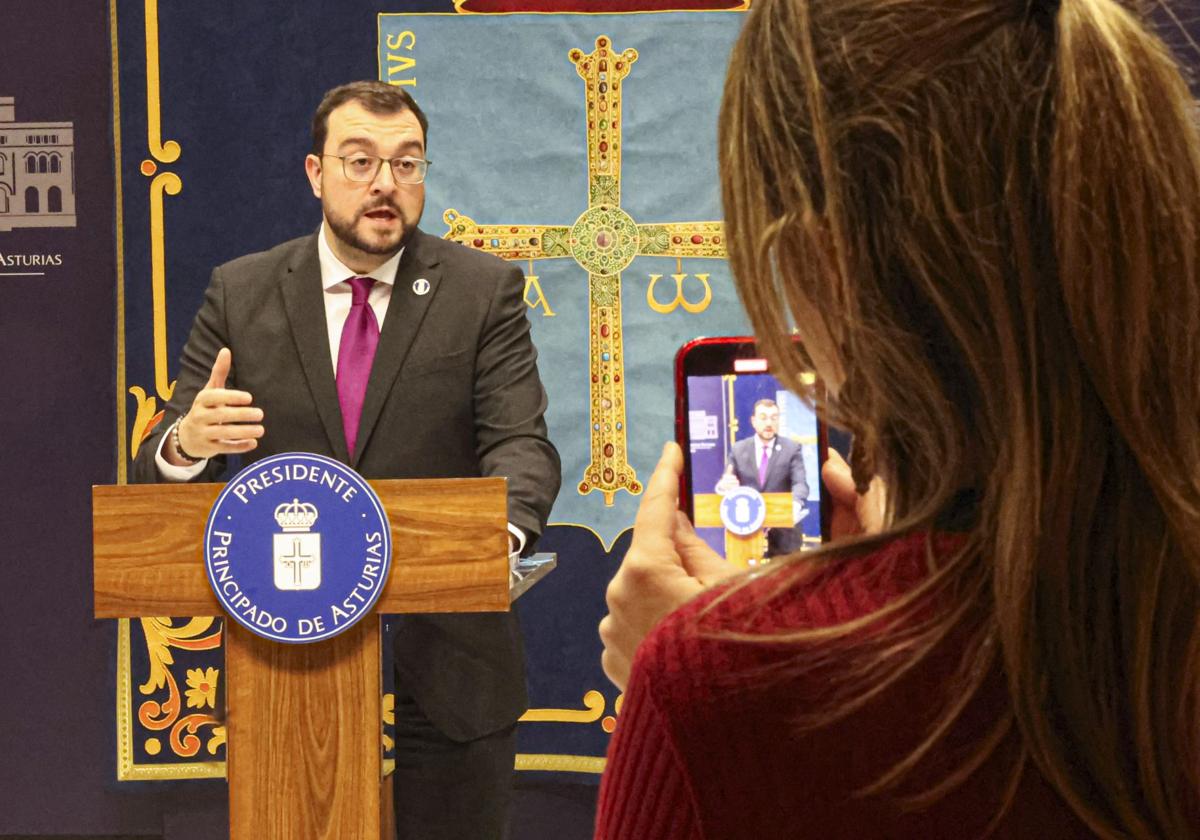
[666,565]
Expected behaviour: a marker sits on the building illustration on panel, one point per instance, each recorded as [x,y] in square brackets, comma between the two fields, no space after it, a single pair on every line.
[37,171]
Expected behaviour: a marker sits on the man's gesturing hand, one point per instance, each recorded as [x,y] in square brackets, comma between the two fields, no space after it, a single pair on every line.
[728,482]
[667,564]
[221,421]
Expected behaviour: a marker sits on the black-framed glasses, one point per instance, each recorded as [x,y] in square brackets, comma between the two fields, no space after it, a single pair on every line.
[363,168]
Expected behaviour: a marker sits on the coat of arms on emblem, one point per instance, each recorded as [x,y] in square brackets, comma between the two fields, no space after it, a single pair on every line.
[297,549]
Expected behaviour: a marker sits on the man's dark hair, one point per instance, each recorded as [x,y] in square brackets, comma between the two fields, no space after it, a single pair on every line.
[376,97]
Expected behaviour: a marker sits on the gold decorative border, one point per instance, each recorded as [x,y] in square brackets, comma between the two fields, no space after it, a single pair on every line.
[169,183]
[561,763]
[148,412]
[459,10]
[119,198]
[593,703]
[163,152]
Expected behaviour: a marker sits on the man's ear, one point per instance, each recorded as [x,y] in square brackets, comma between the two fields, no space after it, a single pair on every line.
[312,168]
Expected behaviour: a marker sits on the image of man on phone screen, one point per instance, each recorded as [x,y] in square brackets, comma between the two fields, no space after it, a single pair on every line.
[770,464]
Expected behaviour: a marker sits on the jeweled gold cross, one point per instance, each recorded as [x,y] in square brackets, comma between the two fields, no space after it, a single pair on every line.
[604,240]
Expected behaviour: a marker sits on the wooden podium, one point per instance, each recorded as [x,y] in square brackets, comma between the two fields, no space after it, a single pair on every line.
[748,550]
[304,754]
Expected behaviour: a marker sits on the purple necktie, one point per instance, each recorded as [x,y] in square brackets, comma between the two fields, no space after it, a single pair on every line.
[356,351]
[762,467]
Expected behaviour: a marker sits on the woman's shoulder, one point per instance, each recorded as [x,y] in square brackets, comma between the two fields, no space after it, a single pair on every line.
[710,633]
[809,594]
[734,693]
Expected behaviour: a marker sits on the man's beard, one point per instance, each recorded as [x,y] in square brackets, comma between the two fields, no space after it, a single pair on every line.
[346,230]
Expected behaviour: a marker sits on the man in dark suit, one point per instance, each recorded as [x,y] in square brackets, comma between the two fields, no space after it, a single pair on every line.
[405,356]
[770,464]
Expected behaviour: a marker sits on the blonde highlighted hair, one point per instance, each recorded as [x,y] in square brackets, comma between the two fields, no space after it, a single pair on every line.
[991,209]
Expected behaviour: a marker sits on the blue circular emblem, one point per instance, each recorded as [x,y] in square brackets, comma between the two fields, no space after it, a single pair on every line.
[297,547]
[743,511]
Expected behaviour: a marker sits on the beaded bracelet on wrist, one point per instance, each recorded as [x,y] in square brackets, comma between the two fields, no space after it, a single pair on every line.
[178,446]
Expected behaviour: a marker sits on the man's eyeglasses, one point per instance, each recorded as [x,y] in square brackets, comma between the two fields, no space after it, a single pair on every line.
[363,168]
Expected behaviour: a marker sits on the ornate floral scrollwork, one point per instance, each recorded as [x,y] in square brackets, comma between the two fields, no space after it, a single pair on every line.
[166,183]
[157,714]
[389,719]
[169,151]
[593,708]
[144,420]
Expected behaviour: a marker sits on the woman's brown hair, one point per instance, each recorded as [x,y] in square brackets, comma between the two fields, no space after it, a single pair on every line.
[991,210]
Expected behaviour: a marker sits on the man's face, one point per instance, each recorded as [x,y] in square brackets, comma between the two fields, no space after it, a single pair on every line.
[368,221]
[765,422]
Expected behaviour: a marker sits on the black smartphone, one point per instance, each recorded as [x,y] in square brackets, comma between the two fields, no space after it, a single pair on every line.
[753,453]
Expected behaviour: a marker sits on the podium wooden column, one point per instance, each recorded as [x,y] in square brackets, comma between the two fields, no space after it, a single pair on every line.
[738,549]
[304,752]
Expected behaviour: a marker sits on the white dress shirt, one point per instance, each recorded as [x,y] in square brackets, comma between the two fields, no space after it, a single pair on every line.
[339,295]
[335,278]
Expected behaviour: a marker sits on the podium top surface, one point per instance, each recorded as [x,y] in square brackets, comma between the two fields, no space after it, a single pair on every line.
[449,547]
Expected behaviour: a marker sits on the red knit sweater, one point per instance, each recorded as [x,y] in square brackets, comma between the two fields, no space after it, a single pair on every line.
[705,751]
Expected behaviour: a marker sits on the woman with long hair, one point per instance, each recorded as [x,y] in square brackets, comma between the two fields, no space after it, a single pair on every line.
[981,219]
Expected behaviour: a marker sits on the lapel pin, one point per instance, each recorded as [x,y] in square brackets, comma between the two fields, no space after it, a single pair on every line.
[421,286]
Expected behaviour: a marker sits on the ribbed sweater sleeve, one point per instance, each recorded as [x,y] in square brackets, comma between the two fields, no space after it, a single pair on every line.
[645,793]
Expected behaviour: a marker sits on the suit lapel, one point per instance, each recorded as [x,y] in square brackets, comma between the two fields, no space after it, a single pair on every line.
[304,301]
[405,313]
[749,465]
[774,463]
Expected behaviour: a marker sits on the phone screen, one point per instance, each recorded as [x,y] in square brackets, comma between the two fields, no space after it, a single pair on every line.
[753,454]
